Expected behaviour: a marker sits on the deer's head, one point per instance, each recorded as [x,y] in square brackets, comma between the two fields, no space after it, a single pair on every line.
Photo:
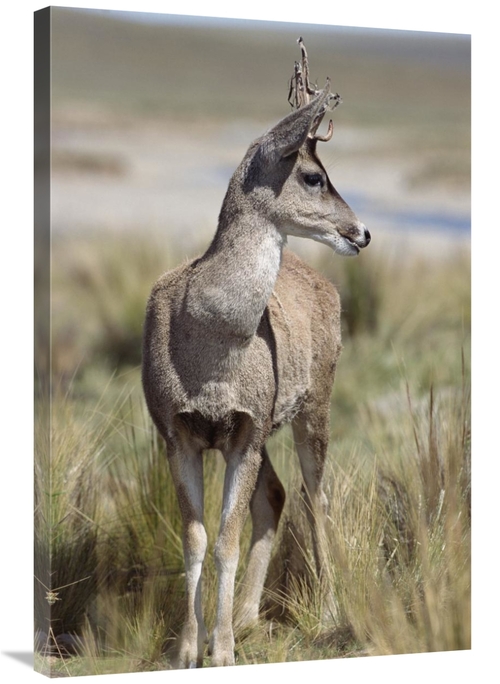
[284,180]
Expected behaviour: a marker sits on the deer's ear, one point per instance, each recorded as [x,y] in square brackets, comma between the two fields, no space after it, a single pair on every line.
[291,133]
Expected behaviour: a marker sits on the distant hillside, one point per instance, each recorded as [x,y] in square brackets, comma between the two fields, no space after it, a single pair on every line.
[222,68]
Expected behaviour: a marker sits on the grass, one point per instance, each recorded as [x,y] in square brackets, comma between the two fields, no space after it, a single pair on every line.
[107,526]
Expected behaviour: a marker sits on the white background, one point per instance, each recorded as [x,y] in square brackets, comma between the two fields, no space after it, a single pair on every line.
[16,259]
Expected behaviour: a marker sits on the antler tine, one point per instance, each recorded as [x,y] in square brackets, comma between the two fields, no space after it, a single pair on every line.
[300,87]
[297,85]
[305,69]
[332,98]
[329,133]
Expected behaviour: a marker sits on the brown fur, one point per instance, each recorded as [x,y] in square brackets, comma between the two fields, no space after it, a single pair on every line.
[239,342]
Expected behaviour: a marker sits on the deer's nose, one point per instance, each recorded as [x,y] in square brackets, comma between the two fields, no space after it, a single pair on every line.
[368,237]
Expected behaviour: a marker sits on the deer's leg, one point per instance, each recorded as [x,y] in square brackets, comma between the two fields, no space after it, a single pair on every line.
[186,466]
[311,432]
[242,470]
[266,505]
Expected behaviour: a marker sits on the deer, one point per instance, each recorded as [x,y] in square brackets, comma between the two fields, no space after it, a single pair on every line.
[240,341]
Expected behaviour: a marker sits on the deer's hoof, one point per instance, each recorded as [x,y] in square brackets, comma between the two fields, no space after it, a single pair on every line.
[223,659]
[188,663]
[190,656]
[221,649]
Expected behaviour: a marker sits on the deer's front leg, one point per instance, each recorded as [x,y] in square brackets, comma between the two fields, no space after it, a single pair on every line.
[186,466]
[241,476]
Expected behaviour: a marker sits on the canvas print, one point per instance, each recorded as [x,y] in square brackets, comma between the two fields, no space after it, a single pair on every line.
[252,342]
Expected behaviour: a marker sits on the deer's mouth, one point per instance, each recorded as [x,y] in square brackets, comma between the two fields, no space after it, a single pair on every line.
[352,244]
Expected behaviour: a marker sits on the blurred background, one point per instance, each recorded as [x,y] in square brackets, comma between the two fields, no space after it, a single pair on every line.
[151,114]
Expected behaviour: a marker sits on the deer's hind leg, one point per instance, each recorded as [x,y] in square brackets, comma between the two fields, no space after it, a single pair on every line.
[186,466]
[266,505]
[311,429]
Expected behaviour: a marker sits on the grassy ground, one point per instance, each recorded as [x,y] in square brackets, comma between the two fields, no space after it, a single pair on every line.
[398,478]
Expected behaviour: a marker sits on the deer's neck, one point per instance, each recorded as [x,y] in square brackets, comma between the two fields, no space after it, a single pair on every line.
[232,282]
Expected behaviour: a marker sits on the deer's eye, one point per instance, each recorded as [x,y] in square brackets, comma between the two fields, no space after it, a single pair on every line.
[314,180]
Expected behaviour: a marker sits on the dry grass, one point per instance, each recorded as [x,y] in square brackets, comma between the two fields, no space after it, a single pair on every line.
[107,522]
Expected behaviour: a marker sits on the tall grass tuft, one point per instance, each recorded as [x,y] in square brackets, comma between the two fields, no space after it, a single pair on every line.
[68,468]
[398,577]
[110,280]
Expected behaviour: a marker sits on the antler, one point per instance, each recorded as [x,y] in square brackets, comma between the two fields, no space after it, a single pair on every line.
[300,93]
